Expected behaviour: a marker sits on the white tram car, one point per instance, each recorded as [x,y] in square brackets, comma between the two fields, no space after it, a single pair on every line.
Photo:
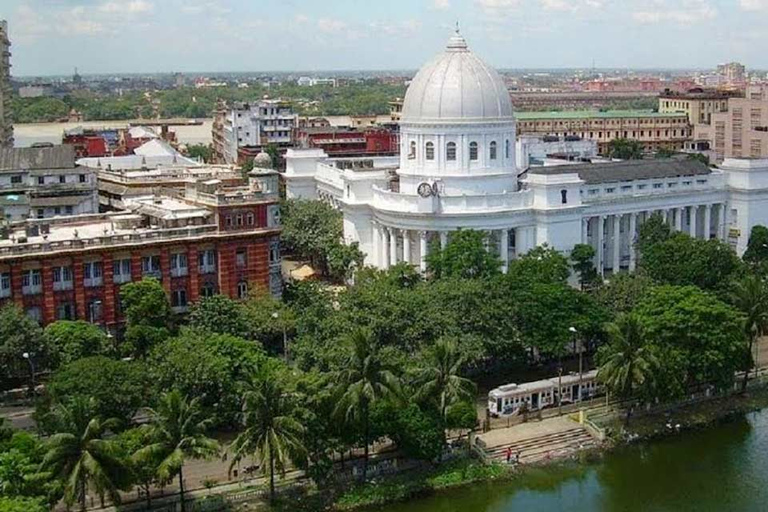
[508,399]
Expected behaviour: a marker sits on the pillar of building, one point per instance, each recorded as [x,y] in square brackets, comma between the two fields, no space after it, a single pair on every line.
[665,215]
[49,302]
[423,250]
[16,288]
[679,219]
[707,221]
[375,244]
[109,313]
[616,243]
[600,245]
[406,246]
[165,270]
[631,236]
[504,250]
[443,239]
[392,246]
[723,222]
[193,264]
[694,213]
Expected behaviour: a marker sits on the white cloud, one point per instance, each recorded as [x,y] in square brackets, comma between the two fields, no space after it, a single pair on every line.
[493,5]
[754,5]
[441,4]
[212,7]
[407,27]
[130,7]
[571,5]
[684,13]
[331,25]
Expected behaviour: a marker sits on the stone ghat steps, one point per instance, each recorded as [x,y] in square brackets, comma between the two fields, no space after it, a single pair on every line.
[542,447]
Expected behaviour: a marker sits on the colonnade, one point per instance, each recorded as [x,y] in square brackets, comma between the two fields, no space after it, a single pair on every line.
[613,236]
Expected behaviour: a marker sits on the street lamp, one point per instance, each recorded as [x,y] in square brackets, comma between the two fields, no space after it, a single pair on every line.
[574,332]
[276,315]
[26,356]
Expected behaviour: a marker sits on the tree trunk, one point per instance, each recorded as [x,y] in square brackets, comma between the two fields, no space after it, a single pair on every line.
[82,492]
[148,490]
[271,475]
[181,489]
[626,418]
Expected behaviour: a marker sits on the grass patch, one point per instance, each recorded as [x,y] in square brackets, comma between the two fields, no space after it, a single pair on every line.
[408,485]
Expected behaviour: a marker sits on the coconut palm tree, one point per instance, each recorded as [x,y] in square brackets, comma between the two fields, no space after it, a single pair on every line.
[364,380]
[79,456]
[628,363]
[177,431]
[272,433]
[750,296]
[438,377]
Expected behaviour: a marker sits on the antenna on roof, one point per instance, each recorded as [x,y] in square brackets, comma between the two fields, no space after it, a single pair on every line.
[457,27]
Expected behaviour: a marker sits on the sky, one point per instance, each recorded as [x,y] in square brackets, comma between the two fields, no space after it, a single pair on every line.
[145,36]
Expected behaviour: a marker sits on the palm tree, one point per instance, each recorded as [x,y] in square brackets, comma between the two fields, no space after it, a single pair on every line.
[750,296]
[177,430]
[272,432]
[79,456]
[628,362]
[438,377]
[365,380]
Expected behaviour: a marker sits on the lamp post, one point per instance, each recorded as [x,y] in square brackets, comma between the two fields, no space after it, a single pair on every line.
[28,357]
[574,332]
[276,315]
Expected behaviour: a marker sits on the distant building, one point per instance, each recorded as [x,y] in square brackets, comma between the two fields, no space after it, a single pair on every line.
[742,131]
[396,109]
[534,150]
[178,80]
[655,130]
[733,73]
[349,142]
[306,81]
[251,127]
[699,105]
[36,91]
[6,126]
[205,240]
[45,182]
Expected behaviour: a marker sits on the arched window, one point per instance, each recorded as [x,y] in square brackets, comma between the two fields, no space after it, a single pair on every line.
[473,150]
[242,290]
[450,151]
[430,151]
[506,149]
[564,196]
[412,150]
[493,150]
[250,218]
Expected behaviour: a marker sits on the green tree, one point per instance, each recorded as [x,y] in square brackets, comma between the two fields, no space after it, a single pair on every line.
[200,151]
[271,322]
[222,315]
[700,157]
[681,260]
[653,231]
[144,467]
[207,366]
[147,315]
[418,433]
[271,431]
[750,296]
[22,505]
[274,155]
[542,264]
[625,149]
[70,341]
[664,152]
[19,334]
[79,455]
[365,379]
[757,247]
[583,258]
[178,432]
[465,256]
[437,377]
[116,389]
[627,362]
[624,291]
[699,338]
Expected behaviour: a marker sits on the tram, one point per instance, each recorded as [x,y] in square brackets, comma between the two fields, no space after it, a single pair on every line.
[507,400]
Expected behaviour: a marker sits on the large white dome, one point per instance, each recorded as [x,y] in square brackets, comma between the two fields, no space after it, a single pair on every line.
[456,86]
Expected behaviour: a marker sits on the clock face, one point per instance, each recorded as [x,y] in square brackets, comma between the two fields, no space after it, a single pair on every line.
[425,190]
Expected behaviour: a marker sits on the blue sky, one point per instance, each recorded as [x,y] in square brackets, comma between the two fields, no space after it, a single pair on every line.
[102,36]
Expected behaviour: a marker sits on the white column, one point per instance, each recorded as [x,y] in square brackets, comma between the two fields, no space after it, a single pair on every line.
[375,244]
[600,246]
[443,239]
[632,230]
[584,230]
[723,222]
[694,212]
[423,251]
[392,246]
[665,215]
[384,247]
[707,221]
[504,250]
[616,244]
[406,246]
[679,219]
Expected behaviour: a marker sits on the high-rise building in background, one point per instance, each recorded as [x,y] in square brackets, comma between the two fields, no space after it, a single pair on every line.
[733,72]
[6,126]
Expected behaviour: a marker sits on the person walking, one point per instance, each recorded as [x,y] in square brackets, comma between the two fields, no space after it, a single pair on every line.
[509,454]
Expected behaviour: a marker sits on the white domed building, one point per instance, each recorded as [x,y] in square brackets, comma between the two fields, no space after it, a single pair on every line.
[457,170]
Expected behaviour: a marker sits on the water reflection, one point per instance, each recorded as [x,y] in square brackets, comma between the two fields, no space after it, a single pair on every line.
[719,469]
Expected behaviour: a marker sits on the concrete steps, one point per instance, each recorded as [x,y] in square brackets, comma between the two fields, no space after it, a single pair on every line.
[543,447]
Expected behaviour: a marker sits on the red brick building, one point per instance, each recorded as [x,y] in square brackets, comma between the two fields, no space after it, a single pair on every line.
[203,241]
[349,142]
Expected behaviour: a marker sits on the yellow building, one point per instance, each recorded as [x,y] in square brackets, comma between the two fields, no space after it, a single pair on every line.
[654,130]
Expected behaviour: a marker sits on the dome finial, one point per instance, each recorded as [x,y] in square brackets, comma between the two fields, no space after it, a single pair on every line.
[457,43]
